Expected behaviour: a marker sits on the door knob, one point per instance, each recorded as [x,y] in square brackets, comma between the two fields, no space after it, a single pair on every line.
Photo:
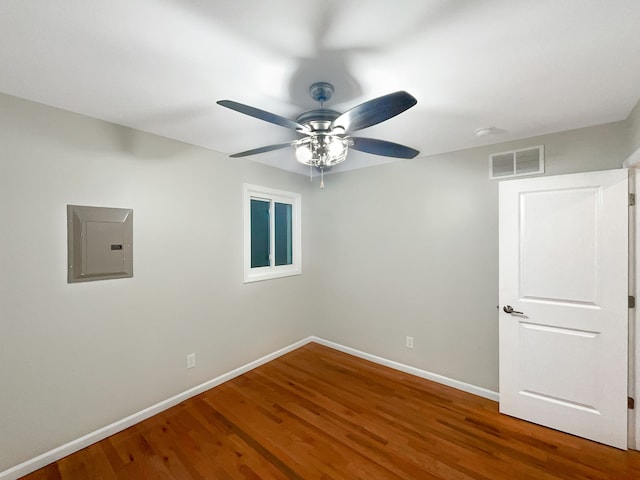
[509,309]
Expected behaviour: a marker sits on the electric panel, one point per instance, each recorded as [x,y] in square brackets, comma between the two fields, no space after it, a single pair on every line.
[100,243]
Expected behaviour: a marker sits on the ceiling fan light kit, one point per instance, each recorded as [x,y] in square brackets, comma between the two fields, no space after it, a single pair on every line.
[325,134]
[321,150]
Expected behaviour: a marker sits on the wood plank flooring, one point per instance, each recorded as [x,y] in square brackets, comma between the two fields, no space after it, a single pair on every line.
[316,413]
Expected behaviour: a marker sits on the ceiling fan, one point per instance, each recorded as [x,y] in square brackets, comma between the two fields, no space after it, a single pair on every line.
[325,135]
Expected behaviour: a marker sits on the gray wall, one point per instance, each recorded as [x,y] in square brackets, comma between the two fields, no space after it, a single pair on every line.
[633,123]
[411,248]
[403,249]
[74,358]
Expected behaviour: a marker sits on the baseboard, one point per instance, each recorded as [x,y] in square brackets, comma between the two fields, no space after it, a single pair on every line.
[75,445]
[450,382]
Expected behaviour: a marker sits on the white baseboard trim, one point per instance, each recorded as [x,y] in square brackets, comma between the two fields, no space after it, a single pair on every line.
[51,456]
[450,382]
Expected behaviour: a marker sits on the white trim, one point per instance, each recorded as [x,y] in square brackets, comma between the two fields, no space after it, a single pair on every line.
[634,316]
[633,160]
[272,195]
[633,419]
[73,446]
[51,456]
[450,382]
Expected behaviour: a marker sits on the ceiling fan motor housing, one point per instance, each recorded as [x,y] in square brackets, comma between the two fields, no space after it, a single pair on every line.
[318,120]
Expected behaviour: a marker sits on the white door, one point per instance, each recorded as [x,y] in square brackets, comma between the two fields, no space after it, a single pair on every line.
[563,264]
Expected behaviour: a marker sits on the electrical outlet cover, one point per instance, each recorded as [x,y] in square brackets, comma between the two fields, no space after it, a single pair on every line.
[191,360]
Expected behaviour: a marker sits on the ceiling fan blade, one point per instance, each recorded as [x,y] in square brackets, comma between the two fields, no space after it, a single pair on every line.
[382,147]
[374,111]
[268,148]
[262,115]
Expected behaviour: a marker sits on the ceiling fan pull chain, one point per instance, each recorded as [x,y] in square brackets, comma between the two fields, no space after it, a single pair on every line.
[322,178]
[310,173]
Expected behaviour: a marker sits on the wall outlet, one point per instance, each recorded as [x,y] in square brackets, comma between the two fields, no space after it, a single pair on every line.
[409,342]
[191,360]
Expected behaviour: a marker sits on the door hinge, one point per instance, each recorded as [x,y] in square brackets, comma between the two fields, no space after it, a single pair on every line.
[631,403]
[632,301]
[632,199]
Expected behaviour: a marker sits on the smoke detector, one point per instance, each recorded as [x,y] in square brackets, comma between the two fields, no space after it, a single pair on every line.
[484,131]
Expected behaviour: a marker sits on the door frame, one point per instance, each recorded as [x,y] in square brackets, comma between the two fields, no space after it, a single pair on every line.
[633,164]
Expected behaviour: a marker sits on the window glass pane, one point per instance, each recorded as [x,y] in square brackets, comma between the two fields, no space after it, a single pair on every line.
[528,161]
[284,236]
[259,233]
[502,165]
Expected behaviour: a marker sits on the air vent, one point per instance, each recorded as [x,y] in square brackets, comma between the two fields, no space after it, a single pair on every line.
[517,163]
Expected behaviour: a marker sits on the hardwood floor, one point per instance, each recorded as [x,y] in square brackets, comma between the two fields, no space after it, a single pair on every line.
[316,413]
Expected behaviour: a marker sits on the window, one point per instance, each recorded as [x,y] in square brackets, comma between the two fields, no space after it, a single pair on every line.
[517,163]
[271,233]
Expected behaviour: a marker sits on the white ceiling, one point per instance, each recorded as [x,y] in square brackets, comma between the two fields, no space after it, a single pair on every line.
[526,67]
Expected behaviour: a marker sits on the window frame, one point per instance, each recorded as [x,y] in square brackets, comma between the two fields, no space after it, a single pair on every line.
[273,196]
